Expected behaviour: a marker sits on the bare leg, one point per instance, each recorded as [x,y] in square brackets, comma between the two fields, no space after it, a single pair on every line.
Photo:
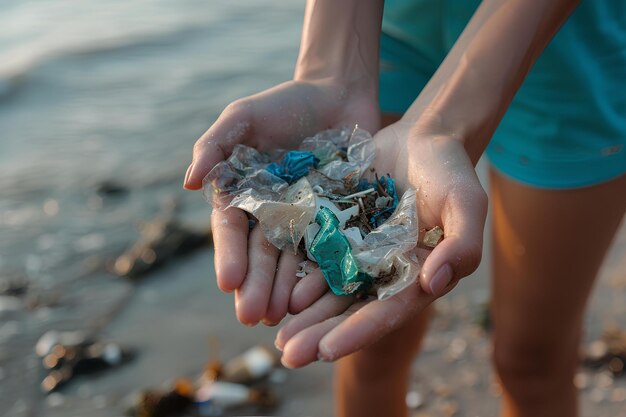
[548,246]
[373,382]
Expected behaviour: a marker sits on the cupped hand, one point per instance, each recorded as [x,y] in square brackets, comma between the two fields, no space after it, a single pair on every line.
[448,195]
[261,276]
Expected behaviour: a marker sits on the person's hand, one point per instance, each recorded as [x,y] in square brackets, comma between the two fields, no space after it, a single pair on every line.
[261,276]
[448,195]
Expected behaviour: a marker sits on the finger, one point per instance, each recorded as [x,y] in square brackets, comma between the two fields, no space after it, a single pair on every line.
[460,251]
[371,322]
[252,297]
[284,282]
[302,348]
[326,307]
[232,127]
[230,239]
[307,291]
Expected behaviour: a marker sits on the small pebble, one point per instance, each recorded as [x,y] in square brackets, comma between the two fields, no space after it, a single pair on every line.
[433,236]
[457,348]
[597,349]
[616,365]
[55,400]
[414,400]
[581,380]
[51,207]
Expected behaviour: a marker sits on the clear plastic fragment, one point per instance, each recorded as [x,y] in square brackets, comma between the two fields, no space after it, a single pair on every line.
[390,244]
[361,149]
[406,267]
[284,220]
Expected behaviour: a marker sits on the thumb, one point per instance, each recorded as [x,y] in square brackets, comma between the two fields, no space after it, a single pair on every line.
[460,251]
[216,144]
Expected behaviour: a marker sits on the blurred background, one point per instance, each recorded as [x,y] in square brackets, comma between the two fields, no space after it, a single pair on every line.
[94,92]
[100,104]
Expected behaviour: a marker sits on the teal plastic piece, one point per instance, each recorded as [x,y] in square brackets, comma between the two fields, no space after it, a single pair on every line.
[294,165]
[333,254]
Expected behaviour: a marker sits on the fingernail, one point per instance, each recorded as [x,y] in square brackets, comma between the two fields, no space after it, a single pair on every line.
[322,358]
[441,279]
[285,363]
[187,175]
[277,345]
[269,323]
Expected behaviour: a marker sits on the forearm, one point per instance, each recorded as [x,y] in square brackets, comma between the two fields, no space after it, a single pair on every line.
[471,90]
[340,42]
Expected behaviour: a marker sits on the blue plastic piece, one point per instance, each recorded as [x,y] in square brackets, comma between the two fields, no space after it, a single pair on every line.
[390,186]
[294,165]
[333,254]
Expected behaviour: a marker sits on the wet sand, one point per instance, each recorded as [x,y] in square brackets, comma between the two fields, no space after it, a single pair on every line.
[171,314]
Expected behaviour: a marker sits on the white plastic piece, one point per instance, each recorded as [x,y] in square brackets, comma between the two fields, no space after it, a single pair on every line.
[112,354]
[224,394]
[304,269]
[382,202]
[47,342]
[342,215]
[354,235]
[52,337]
[359,194]
[259,361]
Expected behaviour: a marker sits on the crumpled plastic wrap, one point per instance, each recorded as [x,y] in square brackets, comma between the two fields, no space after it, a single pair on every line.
[357,230]
[383,248]
[284,220]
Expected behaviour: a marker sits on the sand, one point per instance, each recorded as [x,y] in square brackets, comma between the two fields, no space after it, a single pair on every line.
[171,314]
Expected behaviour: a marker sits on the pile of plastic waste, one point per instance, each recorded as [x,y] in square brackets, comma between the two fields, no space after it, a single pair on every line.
[326,200]
[69,353]
[222,387]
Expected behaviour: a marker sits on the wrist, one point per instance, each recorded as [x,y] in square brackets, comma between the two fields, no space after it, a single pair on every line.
[340,44]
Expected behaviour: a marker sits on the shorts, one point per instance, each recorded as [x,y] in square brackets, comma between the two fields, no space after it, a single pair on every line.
[566,126]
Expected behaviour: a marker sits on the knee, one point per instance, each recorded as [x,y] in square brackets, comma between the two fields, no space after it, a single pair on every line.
[533,369]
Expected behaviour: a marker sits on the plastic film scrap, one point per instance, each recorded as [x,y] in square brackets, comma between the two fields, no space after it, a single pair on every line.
[284,220]
[361,234]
